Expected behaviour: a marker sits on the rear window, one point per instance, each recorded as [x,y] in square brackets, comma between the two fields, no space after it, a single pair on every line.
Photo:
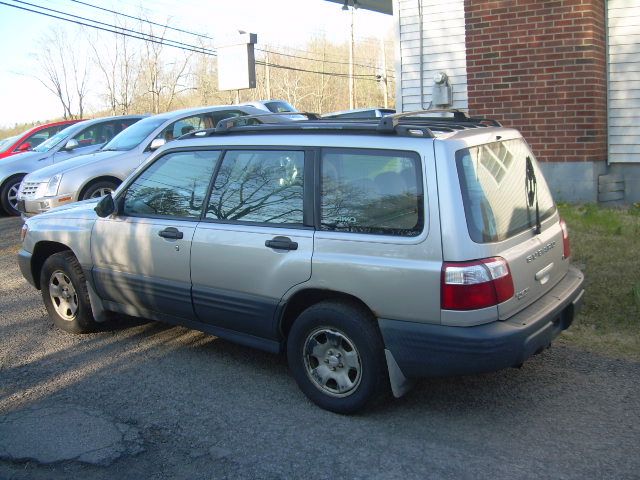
[499,197]
[278,107]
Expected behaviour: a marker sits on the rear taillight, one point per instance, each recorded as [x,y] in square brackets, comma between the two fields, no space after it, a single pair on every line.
[565,239]
[479,284]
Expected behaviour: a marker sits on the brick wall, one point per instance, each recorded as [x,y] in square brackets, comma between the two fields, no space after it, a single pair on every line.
[540,66]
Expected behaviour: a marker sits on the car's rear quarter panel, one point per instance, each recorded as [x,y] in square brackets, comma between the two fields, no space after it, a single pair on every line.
[396,277]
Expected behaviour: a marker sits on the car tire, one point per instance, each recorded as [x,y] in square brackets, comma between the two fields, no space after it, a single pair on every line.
[99,189]
[336,355]
[65,294]
[9,193]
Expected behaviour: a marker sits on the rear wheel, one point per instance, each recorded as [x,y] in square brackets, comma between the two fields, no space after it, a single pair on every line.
[9,195]
[65,294]
[99,189]
[336,355]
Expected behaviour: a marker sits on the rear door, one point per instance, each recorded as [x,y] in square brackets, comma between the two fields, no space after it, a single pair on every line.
[256,238]
[502,188]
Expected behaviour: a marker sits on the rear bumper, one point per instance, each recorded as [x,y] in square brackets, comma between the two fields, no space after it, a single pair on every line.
[423,350]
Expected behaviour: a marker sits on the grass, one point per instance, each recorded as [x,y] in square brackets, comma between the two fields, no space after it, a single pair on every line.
[605,245]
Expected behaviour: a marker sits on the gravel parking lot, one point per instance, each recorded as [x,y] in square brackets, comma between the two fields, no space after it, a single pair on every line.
[149,400]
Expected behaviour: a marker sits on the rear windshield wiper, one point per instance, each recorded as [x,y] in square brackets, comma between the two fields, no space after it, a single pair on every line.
[531,185]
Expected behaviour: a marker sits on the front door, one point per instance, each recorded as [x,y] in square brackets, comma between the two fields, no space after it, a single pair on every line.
[255,241]
[141,255]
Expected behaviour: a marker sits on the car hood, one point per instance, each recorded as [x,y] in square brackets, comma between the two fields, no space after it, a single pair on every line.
[82,209]
[15,163]
[44,174]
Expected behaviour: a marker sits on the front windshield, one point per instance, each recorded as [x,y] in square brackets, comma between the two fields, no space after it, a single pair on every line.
[6,143]
[134,135]
[55,140]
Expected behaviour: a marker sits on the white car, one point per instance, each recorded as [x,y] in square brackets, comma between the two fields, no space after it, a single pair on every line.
[95,175]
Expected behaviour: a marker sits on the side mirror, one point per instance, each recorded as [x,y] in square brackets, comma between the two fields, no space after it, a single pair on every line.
[156,143]
[24,147]
[106,206]
[71,144]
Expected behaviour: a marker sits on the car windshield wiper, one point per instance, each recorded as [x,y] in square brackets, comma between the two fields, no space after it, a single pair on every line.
[531,185]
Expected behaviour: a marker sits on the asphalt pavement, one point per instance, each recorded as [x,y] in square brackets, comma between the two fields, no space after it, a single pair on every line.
[152,401]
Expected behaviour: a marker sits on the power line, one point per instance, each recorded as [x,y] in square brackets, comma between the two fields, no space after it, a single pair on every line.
[110,28]
[142,19]
[316,59]
[329,55]
[211,38]
[334,74]
[118,30]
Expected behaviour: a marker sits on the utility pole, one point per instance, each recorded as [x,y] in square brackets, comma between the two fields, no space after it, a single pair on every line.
[383,78]
[267,76]
[352,85]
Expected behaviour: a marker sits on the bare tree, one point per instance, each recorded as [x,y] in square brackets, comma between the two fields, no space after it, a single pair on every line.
[163,85]
[64,71]
[205,79]
[118,64]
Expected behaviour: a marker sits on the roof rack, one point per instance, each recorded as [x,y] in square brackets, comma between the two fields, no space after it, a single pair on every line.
[459,121]
[404,124]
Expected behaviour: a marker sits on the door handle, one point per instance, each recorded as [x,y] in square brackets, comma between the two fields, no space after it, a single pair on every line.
[171,232]
[281,243]
[543,275]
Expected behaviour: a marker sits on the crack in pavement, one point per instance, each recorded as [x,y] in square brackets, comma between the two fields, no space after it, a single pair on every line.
[51,434]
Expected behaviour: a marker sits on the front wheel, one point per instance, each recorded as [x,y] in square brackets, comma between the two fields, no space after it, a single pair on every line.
[65,294]
[9,195]
[336,354]
[99,189]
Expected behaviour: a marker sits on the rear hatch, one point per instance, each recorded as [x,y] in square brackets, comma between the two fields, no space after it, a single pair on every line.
[510,213]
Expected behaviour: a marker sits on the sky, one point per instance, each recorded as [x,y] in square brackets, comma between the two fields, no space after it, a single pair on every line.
[285,23]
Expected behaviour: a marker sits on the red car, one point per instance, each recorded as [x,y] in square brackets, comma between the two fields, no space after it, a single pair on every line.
[30,139]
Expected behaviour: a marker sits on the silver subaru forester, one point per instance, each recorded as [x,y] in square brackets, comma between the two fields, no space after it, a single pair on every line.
[372,252]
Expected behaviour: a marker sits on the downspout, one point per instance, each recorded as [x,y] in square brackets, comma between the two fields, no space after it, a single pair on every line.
[420,18]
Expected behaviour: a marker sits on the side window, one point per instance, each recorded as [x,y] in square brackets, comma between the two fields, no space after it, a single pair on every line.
[36,139]
[259,186]
[175,185]
[41,136]
[88,136]
[104,132]
[182,127]
[371,192]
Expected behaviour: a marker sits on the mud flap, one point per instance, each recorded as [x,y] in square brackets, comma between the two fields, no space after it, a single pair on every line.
[399,383]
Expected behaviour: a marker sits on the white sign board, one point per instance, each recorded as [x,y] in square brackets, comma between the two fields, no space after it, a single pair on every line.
[237,63]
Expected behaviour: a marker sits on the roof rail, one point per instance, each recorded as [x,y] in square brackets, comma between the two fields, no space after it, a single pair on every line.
[405,124]
[460,119]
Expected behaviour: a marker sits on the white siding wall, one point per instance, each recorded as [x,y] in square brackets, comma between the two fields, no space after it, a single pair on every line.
[623,19]
[443,50]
